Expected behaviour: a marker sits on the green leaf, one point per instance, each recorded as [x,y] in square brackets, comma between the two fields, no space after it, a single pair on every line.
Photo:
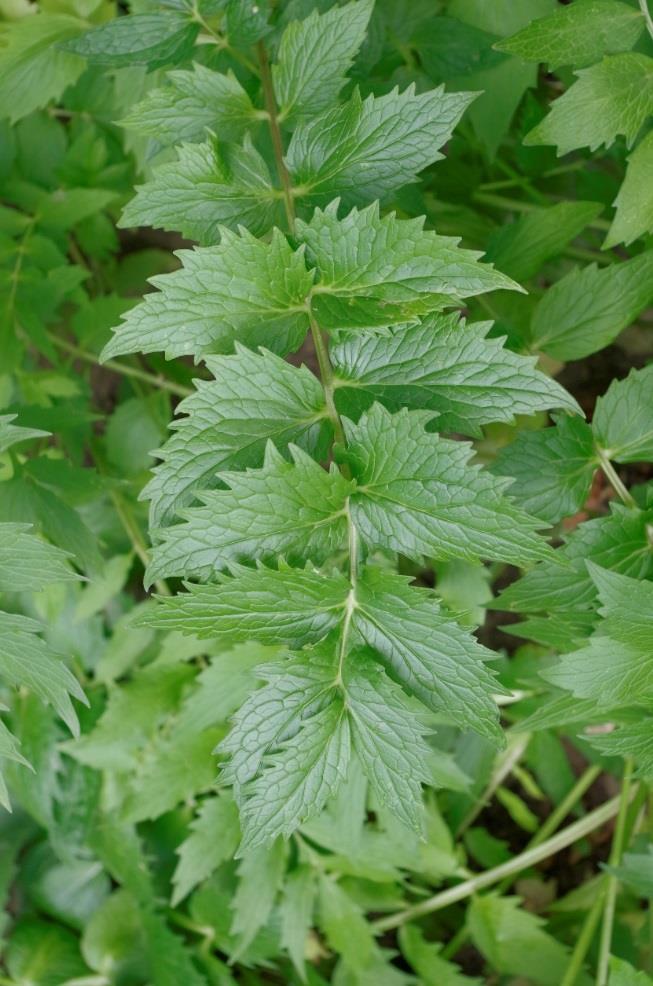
[43,954]
[419,495]
[514,941]
[577,35]
[290,606]
[169,959]
[227,423]
[11,434]
[366,149]
[154,39]
[243,289]
[293,785]
[609,99]
[27,563]
[587,309]
[260,873]
[523,247]
[314,57]
[618,541]
[192,102]
[424,957]
[630,739]
[9,750]
[552,469]
[33,70]
[377,271]
[344,926]
[636,871]
[247,23]
[623,974]
[209,186]
[297,913]
[623,418]
[213,840]
[427,652]
[293,508]
[389,739]
[26,661]
[446,366]
[634,201]
[615,667]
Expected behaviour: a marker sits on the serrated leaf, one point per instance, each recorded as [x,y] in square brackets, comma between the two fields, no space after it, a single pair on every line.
[154,39]
[419,495]
[425,958]
[26,661]
[514,941]
[298,776]
[293,508]
[587,309]
[209,186]
[443,365]
[227,423]
[289,606]
[618,541]
[9,750]
[43,954]
[31,53]
[213,840]
[609,99]
[314,57]
[521,248]
[623,974]
[552,469]
[377,271]
[11,434]
[427,652]
[247,23]
[636,871]
[27,562]
[630,739]
[616,666]
[577,35]
[389,739]
[192,101]
[623,418]
[242,290]
[367,148]
[634,201]
[344,926]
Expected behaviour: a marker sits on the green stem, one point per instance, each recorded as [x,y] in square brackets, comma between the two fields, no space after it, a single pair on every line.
[518,205]
[616,852]
[511,756]
[530,857]
[614,479]
[585,937]
[275,133]
[647,16]
[489,186]
[126,371]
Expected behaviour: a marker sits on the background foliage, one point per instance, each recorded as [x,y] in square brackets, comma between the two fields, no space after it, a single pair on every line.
[461,805]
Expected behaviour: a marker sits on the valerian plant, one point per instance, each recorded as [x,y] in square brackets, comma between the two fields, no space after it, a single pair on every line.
[380,269]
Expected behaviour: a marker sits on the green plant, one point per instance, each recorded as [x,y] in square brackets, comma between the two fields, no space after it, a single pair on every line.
[302,764]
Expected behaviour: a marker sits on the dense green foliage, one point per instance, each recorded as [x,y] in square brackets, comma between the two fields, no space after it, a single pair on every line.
[400,266]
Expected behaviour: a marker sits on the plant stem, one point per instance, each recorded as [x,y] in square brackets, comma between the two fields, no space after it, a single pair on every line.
[577,830]
[614,479]
[123,369]
[517,205]
[647,16]
[518,179]
[585,937]
[511,756]
[616,852]
[275,132]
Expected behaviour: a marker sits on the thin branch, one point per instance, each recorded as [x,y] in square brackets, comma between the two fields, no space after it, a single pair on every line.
[530,857]
[616,852]
[614,479]
[275,132]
